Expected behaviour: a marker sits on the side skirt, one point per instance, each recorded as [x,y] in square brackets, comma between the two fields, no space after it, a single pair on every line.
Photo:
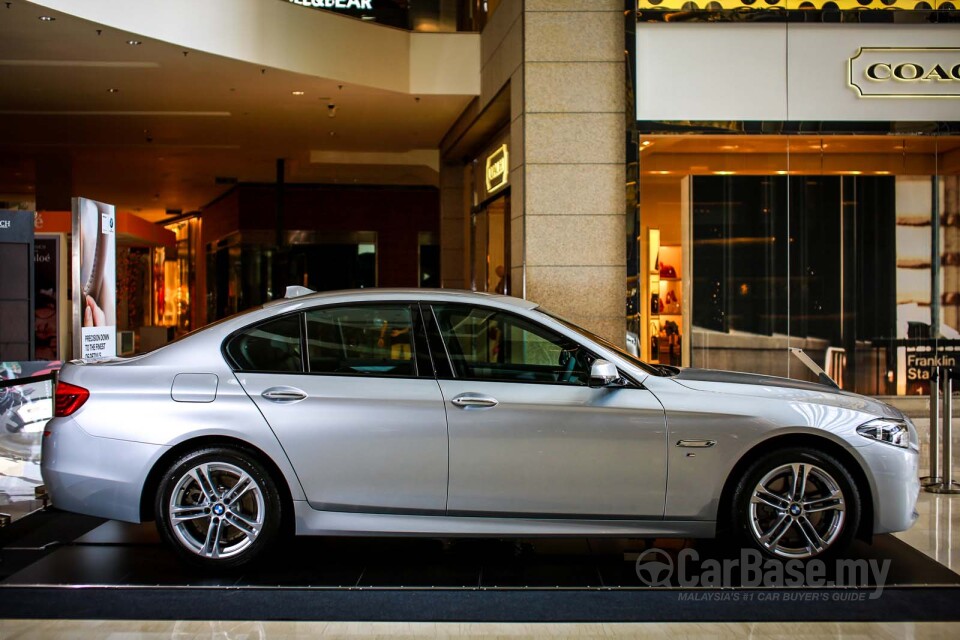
[313,522]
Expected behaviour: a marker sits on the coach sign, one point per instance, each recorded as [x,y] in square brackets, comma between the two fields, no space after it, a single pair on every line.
[897,72]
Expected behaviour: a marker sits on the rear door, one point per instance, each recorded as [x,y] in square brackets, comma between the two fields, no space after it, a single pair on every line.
[350,393]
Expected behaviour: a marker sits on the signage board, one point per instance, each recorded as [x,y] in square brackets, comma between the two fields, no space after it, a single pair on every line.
[498,169]
[94,280]
[898,72]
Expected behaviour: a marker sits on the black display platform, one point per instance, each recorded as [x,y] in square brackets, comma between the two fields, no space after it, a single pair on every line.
[59,565]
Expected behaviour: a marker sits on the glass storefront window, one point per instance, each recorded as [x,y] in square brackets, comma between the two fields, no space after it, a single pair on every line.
[846,246]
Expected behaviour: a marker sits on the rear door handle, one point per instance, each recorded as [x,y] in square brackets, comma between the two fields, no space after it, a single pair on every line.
[283,394]
[466,401]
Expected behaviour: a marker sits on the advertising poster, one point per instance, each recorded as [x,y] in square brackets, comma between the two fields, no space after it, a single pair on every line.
[94,280]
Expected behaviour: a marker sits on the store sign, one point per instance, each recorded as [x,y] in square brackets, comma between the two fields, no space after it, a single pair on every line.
[336,4]
[497,173]
[896,72]
[920,365]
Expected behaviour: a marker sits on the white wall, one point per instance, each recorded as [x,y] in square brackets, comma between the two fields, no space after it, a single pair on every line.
[728,71]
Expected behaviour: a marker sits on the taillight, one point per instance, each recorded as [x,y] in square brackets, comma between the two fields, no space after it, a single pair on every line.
[68,398]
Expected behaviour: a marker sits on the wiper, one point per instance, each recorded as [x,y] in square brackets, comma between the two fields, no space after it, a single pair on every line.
[667,370]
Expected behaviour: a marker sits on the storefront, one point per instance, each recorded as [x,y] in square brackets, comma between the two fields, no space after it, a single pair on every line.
[324,237]
[803,193]
[490,219]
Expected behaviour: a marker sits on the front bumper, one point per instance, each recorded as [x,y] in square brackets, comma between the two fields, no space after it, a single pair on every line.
[94,476]
[895,482]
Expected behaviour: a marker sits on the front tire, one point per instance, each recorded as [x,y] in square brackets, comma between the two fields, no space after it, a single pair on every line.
[218,507]
[797,503]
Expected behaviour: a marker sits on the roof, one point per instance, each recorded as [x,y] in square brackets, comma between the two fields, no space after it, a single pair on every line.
[414,293]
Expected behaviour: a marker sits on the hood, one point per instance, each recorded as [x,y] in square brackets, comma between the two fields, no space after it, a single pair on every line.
[763,386]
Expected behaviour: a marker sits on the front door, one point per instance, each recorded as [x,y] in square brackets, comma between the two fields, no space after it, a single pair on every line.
[529,437]
[359,414]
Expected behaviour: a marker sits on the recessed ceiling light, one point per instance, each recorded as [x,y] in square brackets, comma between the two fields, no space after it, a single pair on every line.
[297,93]
[724,173]
[660,173]
[882,173]
[782,173]
[854,173]
[645,143]
[47,18]
[113,90]
[134,43]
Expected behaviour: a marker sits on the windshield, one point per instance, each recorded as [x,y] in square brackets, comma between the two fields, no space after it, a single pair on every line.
[654,370]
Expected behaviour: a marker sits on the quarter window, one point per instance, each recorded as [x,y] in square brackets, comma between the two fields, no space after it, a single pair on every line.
[361,340]
[269,346]
[487,344]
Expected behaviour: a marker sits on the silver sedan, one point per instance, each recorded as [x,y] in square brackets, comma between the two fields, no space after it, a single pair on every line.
[440,413]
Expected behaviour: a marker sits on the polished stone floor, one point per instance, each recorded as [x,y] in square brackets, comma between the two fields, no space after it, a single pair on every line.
[153,630]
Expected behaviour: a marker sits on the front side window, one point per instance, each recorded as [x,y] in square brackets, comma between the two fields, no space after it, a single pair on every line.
[272,346]
[361,340]
[487,344]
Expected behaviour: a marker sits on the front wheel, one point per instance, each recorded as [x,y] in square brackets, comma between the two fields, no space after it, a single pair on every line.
[218,507]
[798,503]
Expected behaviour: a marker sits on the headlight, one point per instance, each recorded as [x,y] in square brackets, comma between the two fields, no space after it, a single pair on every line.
[892,432]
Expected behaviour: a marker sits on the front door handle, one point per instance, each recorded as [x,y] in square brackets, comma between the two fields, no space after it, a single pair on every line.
[283,394]
[475,402]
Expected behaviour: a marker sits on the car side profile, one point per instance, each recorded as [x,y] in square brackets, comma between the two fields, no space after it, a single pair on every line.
[443,413]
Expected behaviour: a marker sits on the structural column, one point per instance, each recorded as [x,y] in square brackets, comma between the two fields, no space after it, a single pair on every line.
[568,211]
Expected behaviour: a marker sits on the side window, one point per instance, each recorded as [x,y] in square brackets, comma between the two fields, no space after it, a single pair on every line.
[365,340]
[269,346]
[487,344]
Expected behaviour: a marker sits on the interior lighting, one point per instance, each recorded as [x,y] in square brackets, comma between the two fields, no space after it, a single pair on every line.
[724,173]
[297,93]
[134,43]
[47,18]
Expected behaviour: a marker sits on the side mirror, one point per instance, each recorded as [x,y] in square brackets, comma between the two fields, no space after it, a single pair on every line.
[603,373]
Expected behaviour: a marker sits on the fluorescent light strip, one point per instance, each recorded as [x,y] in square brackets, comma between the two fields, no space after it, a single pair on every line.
[172,114]
[93,64]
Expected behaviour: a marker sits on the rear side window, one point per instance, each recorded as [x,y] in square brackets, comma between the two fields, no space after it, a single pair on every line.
[373,340]
[270,346]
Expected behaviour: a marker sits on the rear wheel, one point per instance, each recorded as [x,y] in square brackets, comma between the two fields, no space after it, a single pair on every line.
[218,507]
[799,503]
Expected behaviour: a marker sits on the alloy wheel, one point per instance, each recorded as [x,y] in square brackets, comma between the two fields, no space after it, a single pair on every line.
[797,510]
[216,510]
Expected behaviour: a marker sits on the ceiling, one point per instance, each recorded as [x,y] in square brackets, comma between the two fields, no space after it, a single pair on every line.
[151,126]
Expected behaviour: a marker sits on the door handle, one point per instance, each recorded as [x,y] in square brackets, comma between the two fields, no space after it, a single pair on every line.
[475,402]
[283,394]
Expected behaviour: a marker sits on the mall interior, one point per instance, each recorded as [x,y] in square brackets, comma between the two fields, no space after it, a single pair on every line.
[703,184]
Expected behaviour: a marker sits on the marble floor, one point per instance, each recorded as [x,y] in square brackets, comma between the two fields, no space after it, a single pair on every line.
[154,630]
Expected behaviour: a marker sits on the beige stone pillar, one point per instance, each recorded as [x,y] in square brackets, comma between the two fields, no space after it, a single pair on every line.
[568,151]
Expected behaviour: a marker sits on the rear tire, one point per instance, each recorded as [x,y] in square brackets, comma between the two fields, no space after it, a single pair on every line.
[797,503]
[218,507]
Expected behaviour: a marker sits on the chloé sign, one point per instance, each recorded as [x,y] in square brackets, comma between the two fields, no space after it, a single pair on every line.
[900,72]
[497,169]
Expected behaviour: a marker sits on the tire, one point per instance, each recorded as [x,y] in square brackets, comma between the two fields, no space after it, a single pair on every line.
[217,529]
[818,519]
